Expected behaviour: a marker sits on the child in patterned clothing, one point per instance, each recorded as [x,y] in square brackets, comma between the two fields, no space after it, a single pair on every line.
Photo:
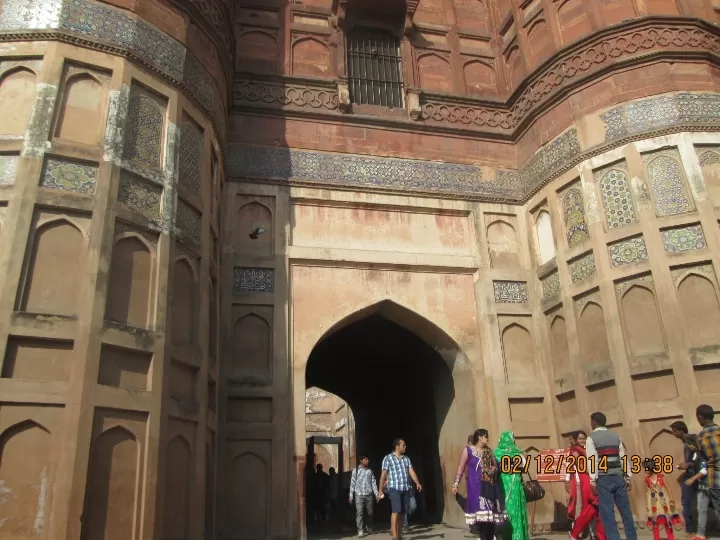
[660,502]
[703,497]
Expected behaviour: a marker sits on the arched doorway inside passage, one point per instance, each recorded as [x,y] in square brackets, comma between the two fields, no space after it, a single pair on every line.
[403,376]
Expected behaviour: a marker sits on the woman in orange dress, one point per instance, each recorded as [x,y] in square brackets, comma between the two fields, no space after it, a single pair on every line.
[660,503]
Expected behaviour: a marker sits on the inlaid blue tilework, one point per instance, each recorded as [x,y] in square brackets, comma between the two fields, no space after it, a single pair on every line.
[661,111]
[401,174]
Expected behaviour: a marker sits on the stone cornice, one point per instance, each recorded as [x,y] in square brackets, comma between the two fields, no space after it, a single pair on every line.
[635,42]
[102,27]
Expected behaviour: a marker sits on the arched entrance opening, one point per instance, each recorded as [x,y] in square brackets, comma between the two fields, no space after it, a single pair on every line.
[403,377]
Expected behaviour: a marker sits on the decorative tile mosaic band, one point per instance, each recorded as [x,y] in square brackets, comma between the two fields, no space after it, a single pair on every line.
[393,173]
[551,285]
[661,111]
[550,158]
[8,169]
[253,280]
[108,25]
[628,251]
[510,292]
[69,176]
[681,239]
[582,268]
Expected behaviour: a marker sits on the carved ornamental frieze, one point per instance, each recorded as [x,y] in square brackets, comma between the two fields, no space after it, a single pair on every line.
[642,40]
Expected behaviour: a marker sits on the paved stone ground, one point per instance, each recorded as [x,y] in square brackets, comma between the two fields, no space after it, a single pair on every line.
[439,532]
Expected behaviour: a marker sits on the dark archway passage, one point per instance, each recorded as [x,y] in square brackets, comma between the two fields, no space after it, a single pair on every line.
[397,386]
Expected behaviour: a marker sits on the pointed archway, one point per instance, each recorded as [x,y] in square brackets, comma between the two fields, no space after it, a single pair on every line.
[405,377]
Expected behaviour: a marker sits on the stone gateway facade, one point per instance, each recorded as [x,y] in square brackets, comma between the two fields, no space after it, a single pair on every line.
[450,214]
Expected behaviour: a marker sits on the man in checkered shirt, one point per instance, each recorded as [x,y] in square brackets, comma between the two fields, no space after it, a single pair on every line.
[397,470]
[362,484]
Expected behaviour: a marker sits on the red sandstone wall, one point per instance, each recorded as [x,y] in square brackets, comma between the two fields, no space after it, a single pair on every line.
[518,62]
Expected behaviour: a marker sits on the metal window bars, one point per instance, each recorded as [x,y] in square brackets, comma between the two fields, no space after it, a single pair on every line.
[374,68]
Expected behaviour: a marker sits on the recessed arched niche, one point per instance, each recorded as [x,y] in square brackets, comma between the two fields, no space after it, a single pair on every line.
[54,271]
[643,328]
[184,301]
[592,335]
[700,309]
[544,241]
[112,486]
[502,241]
[252,348]
[247,510]
[81,113]
[130,283]
[311,58]
[254,215]
[178,488]
[25,479]
[519,354]
[17,97]
[559,345]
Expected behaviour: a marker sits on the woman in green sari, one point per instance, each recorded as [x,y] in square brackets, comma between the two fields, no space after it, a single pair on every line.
[516,527]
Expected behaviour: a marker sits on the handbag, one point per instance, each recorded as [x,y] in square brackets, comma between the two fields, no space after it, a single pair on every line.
[533,490]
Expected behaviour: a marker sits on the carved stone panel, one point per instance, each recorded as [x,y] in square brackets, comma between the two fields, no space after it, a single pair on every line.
[512,292]
[253,280]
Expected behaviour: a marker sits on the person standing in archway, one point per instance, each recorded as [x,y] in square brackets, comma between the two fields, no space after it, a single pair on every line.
[515,502]
[362,485]
[397,471]
[484,506]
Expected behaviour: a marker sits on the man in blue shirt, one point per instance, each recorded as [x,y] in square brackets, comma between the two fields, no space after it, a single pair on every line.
[397,470]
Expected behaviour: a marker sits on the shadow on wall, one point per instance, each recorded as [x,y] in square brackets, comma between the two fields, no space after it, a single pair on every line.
[254,312]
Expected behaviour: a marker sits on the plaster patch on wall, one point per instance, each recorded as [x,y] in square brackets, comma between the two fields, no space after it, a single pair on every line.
[608,158]
[35,14]
[5,492]
[8,169]
[118,101]
[169,200]
[693,169]
[483,260]
[592,203]
[642,193]
[40,516]
[36,136]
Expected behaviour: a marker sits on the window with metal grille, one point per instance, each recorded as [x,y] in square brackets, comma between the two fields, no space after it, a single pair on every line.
[374,67]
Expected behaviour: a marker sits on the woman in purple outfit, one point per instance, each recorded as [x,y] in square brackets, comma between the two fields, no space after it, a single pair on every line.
[485,507]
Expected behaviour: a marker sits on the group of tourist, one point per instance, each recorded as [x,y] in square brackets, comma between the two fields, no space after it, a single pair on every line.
[496,500]
[700,478]
[595,490]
